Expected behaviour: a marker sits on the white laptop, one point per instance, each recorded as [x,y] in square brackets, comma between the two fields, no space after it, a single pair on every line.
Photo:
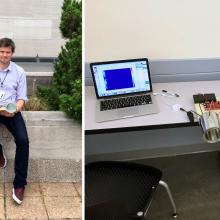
[123,89]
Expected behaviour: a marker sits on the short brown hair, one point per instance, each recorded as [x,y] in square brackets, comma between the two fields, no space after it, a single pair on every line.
[7,42]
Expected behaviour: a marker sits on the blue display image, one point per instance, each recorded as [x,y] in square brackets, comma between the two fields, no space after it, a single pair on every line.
[118,79]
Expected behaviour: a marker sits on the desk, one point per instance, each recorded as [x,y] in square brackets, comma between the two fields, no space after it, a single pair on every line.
[153,132]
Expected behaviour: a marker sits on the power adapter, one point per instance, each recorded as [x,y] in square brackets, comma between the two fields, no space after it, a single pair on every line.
[190,116]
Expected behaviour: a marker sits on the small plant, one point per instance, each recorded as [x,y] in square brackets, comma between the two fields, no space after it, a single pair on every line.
[36,104]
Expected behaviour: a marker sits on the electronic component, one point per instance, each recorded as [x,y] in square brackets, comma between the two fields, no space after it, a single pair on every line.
[202,98]
[199,98]
[211,105]
[210,97]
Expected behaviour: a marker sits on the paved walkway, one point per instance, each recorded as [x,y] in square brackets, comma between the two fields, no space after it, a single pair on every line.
[43,201]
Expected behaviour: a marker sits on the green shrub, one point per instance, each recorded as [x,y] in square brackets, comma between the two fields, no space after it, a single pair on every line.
[71,18]
[65,93]
[69,65]
[72,103]
[49,95]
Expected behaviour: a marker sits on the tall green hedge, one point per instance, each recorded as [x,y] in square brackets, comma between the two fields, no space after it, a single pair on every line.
[66,91]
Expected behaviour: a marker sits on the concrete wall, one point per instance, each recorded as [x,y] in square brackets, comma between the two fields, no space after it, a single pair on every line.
[33,25]
[157,29]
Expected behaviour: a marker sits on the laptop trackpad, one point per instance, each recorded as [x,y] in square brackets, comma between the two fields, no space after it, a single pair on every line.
[127,112]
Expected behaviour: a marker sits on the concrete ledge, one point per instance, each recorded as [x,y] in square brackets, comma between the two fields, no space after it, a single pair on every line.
[38,74]
[55,147]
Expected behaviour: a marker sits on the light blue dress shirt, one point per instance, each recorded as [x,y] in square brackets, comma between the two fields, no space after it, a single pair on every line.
[13,83]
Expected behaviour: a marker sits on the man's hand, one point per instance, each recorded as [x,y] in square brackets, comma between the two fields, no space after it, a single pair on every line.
[7,114]
[19,105]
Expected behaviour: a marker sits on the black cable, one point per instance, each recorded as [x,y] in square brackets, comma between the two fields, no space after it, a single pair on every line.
[190,114]
[195,113]
[182,109]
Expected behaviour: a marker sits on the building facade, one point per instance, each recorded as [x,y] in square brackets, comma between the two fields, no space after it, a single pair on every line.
[33,25]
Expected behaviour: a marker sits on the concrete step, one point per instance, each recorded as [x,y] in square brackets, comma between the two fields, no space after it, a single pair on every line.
[55,147]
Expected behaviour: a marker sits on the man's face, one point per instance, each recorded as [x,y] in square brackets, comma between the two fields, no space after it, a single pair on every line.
[5,55]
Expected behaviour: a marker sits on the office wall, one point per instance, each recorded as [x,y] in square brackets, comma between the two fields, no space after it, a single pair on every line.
[176,70]
[33,25]
[157,29]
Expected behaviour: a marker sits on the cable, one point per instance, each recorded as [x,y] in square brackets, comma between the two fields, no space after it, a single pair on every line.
[182,109]
[195,113]
[200,108]
[190,114]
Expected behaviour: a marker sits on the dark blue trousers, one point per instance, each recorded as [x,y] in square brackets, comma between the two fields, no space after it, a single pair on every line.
[18,129]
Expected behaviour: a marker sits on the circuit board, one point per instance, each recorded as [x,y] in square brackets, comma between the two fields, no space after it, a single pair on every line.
[208,106]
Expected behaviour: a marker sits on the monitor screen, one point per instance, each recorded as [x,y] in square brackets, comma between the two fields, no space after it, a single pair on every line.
[121,77]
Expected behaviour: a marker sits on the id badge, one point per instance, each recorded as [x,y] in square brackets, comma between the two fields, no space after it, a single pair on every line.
[2,94]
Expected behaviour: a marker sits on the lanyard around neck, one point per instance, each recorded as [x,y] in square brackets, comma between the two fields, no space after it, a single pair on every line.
[2,81]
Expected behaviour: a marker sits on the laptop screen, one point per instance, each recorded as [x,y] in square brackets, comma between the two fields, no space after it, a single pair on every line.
[121,77]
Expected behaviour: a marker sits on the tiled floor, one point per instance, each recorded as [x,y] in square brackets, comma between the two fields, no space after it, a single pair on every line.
[43,201]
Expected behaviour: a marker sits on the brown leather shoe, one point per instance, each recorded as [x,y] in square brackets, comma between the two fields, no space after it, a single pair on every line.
[3,160]
[18,195]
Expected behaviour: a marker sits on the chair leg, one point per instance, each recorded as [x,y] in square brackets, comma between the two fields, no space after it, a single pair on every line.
[164,184]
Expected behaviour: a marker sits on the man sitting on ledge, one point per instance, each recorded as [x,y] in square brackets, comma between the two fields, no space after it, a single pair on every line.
[13,89]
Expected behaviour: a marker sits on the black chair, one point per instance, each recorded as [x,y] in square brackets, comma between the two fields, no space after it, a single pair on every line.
[121,190]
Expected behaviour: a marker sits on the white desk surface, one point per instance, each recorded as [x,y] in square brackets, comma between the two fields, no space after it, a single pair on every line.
[167,116]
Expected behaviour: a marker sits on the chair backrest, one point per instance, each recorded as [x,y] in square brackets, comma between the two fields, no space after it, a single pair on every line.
[128,186]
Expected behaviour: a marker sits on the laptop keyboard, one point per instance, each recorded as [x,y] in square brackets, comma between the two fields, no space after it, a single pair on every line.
[123,102]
